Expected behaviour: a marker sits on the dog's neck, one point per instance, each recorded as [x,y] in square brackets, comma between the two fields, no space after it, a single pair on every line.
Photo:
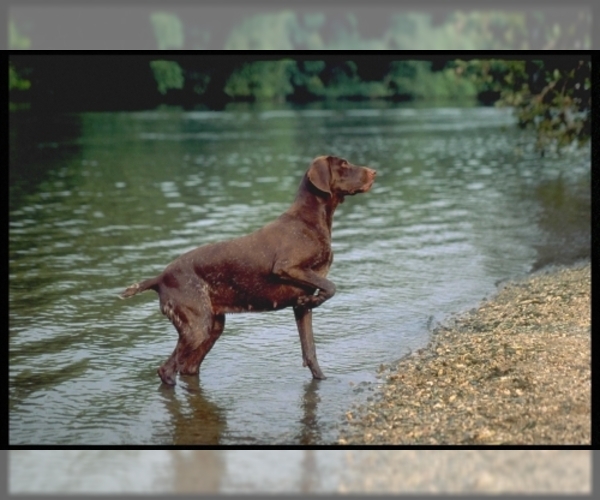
[314,206]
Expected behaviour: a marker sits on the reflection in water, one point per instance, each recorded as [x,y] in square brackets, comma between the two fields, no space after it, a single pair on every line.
[566,208]
[295,471]
[195,420]
[37,147]
[309,432]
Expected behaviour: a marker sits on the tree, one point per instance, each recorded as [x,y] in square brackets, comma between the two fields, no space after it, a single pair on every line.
[552,96]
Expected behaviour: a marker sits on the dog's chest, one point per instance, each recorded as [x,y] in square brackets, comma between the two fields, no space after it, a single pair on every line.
[322,261]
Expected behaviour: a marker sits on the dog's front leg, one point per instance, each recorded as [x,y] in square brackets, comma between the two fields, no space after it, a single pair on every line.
[303,317]
[309,279]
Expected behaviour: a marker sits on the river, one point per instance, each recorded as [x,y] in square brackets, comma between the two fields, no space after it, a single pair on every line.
[101,200]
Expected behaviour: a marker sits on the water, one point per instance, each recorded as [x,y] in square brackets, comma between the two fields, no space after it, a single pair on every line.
[101,200]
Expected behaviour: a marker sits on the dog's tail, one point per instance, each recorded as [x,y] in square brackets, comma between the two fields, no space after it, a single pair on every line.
[142,286]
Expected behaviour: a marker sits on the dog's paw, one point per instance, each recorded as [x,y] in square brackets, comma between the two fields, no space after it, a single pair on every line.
[167,377]
[304,301]
[310,301]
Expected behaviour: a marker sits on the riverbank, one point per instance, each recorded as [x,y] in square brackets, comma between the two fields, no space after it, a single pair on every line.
[517,370]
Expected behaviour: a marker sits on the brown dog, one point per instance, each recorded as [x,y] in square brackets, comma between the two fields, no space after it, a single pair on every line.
[283,264]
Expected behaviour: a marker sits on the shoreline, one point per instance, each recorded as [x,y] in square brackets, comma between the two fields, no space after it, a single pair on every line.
[514,370]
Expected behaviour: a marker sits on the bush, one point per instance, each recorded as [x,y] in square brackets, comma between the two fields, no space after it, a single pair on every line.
[262,81]
[554,99]
[168,75]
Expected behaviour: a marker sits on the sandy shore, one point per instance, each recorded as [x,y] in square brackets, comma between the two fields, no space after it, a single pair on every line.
[514,371]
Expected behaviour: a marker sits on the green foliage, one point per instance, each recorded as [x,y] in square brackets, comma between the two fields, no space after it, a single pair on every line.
[168,30]
[15,82]
[262,81]
[199,81]
[416,80]
[168,75]
[16,40]
[560,110]
[554,100]
[305,75]
[343,82]
[280,80]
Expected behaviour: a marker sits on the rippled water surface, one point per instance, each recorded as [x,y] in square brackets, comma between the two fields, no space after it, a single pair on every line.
[101,200]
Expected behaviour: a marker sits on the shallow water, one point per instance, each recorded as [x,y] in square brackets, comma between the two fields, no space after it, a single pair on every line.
[101,200]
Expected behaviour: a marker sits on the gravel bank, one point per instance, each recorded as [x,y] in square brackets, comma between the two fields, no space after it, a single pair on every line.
[514,371]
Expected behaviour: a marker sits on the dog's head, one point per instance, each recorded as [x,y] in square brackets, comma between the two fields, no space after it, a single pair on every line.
[337,177]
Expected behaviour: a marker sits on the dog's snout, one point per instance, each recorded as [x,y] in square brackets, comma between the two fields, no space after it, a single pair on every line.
[370,173]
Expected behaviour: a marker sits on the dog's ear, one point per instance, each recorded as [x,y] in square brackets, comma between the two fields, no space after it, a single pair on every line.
[319,174]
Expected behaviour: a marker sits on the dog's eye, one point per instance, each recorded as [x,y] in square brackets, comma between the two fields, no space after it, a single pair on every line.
[344,163]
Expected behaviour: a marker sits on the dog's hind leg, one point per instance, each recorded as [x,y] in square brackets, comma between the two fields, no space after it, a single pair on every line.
[190,312]
[168,370]
[190,360]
